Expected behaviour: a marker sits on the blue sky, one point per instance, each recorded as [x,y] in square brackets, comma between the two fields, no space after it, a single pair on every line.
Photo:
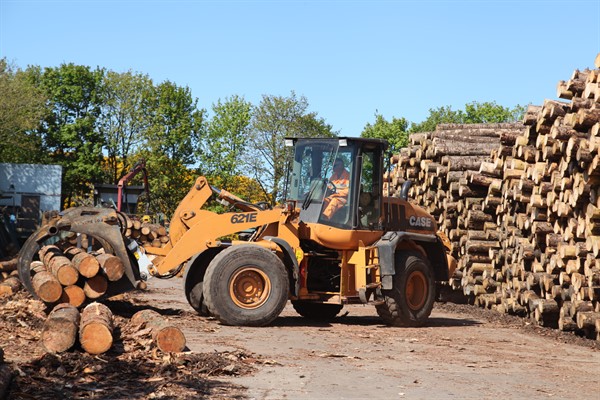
[350,59]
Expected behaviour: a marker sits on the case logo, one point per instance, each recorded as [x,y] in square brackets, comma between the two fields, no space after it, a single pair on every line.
[422,222]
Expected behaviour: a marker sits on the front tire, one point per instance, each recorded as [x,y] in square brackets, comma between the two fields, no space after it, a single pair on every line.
[317,311]
[411,299]
[245,285]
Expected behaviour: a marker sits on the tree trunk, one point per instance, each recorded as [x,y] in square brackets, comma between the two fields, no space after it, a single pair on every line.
[96,328]
[95,287]
[87,265]
[10,286]
[73,295]
[60,328]
[167,337]
[63,269]
[46,286]
[112,266]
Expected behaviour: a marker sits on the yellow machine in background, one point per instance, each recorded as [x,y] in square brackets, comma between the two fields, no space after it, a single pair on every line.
[373,249]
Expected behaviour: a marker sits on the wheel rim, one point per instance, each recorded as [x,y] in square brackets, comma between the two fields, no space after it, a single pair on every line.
[416,290]
[249,287]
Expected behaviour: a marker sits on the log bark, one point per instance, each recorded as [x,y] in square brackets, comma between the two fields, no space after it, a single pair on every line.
[10,286]
[60,328]
[73,295]
[47,252]
[587,320]
[112,266]
[167,337]
[63,269]
[96,328]
[8,265]
[95,287]
[87,265]
[46,286]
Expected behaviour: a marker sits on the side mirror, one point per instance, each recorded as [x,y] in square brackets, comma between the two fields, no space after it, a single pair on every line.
[405,188]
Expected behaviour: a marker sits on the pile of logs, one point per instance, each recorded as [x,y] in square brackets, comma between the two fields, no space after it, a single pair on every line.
[548,263]
[93,329]
[524,219]
[147,234]
[9,281]
[450,186]
[73,276]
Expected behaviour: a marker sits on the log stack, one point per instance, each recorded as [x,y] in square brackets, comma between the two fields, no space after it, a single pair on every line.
[147,234]
[525,225]
[73,276]
[548,266]
[452,186]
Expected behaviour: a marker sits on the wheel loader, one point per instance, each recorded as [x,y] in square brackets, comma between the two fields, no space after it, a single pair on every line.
[373,249]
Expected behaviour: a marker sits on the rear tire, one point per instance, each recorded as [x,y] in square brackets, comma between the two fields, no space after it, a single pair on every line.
[245,285]
[411,299]
[317,311]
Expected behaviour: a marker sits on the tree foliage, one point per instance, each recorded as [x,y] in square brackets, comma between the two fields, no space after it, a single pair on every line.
[223,144]
[474,112]
[69,130]
[394,131]
[176,123]
[274,119]
[124,119]
[22,106]
[98,123]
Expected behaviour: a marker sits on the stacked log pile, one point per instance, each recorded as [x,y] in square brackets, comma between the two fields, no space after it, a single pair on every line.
[451,174]
[549,219]
[524,219]
[72,275]
[147,234]
[93,328]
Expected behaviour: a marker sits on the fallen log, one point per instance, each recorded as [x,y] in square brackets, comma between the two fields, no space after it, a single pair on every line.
[168,338]
[46,286]
[73,295]
[8,265]
[63,269]
[96,328]
[112,266]
[95,287]
[60,328]
[87,265]
[10,286]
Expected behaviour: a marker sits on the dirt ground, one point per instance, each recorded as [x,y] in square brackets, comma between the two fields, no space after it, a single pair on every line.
[463,353]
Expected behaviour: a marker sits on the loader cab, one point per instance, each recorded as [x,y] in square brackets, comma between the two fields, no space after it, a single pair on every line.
[313,169]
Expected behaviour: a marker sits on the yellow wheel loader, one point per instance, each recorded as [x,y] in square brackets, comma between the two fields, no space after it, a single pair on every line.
[370,248]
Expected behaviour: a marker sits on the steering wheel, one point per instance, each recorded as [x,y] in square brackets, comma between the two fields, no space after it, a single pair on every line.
[331,188]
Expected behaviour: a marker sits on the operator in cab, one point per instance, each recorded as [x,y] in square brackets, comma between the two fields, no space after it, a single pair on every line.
[340,178]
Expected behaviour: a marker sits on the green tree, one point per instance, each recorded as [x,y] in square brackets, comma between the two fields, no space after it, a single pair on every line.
[274,119]
[490,112]
[440,115]
[170,143]
[176,123]
[125,101]
[474,112]
[223,144]
[394,131]
[22,106]
[69,130]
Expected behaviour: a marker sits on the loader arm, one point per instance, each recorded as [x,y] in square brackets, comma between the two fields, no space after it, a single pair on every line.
[193,230]
[206,231]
